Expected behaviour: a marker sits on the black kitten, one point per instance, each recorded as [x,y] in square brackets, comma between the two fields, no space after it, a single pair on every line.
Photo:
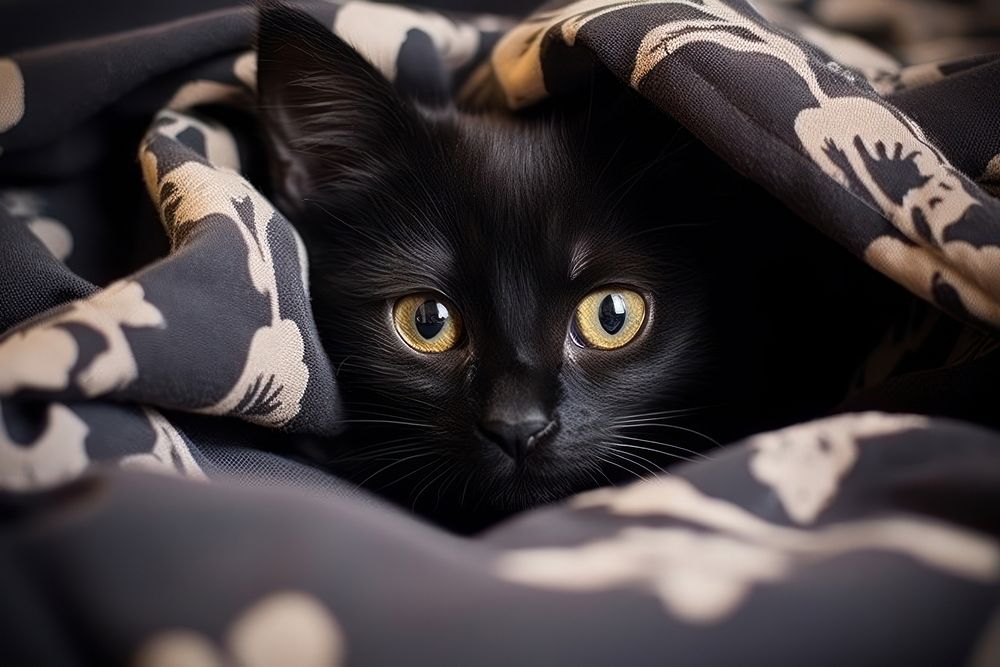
[514,306]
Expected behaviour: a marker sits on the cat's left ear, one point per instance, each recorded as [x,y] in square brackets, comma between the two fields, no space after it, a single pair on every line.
[331,119]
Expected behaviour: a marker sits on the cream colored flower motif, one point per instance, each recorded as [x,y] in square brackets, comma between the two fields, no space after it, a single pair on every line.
[379,31]
[203,91]
[704,576]
[887,154]
[220,147]
[37,358]
[961,552]
[170,453]
[274,378]
[179,648]
[27,207]
[53,235]
[858,141]
[245,69]
[699,577]
[11,94]
[805,463]
[516,59]
[120,304]
[288,628]
[42,356]
[57,455]
[989,180]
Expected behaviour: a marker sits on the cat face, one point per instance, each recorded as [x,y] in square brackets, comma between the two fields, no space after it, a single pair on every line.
[493,293]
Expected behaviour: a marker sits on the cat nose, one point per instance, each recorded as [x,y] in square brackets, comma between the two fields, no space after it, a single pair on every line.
[517,439]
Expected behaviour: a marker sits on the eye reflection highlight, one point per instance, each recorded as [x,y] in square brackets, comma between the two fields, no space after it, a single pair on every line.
[427,323]
[609,318]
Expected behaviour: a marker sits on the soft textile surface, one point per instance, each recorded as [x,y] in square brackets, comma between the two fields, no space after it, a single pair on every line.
[863,537]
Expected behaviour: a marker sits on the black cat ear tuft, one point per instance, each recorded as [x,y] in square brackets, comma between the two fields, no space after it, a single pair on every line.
[331,119]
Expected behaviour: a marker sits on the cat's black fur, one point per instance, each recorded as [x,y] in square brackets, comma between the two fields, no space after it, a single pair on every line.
[515,220]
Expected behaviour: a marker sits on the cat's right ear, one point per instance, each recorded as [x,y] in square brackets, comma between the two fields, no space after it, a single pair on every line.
[331,119]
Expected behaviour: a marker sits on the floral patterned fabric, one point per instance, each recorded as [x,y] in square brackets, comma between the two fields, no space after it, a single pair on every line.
[865,537]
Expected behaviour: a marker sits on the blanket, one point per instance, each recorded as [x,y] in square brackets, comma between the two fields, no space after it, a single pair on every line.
[156,319]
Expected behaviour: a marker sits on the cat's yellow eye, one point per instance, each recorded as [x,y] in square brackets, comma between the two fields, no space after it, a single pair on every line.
[609,318]
[427,323]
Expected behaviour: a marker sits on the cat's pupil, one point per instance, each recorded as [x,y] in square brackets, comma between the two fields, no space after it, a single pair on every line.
[612,315]
[430,318]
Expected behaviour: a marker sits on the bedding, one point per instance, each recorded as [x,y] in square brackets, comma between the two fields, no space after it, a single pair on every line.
[156,319]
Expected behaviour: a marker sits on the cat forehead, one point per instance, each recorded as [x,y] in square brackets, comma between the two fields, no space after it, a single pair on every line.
[517,256]
[503,206]
[527,205]
[518,166]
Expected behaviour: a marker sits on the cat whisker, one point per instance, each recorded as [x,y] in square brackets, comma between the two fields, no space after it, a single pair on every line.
[666,445]
[396,463]
[617,465]
[445,485]
[632,458]
[377,404]
[390,453]
[374,413]
[448,467]
[409,474]
[586,469]
[465,489]
[590,465]
[641,421]
[661,452]
[490,484]
[396,396]
[392,422]
[663,413]
[414,399]
[336,372]
[648,449]
[404,415]
[675,427]
[653,415]
[368,448]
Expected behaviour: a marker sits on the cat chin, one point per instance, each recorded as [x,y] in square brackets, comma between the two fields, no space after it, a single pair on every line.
[484,507]
[487,487]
